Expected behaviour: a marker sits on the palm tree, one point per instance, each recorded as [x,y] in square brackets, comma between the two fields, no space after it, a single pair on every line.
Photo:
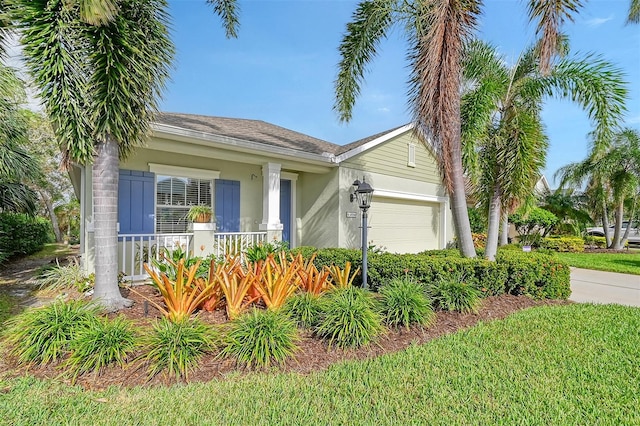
[634,12]
[16,165]
[436,31]
[501,118]
[99,84]
[613,178]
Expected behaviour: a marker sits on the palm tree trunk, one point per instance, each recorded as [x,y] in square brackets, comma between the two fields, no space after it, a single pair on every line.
[605,225]
[617,231]
[459,210]
[52,216]
[504,230]
[493,228]
[105,206]
[632,212]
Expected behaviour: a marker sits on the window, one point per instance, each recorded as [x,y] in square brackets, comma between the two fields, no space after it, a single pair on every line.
[411,155]
[175,196]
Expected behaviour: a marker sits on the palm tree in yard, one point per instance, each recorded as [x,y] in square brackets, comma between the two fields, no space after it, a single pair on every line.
[612,177]
[99,83]
[436,31]
[502,125]
[634,12]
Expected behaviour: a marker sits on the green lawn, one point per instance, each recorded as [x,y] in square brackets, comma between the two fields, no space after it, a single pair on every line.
[613,262]
[562,365]
[52,250]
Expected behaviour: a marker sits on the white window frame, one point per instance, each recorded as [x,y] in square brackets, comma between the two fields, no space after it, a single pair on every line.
[411,155]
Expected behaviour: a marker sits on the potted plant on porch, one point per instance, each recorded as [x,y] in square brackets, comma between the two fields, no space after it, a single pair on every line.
[199,214]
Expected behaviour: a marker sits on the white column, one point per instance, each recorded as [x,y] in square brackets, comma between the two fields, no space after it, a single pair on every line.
[271,201]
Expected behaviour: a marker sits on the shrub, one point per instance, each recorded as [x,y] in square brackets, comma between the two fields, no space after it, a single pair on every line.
[22,235]
[261,251]
[532,223]
[563,244]
[404,303]
[65,277]
[304,309]
[102,343]
[535,274]
[454,294]
[260,337]
[349,318]
[477,220]
[595,241]
[43,335]
[177,347]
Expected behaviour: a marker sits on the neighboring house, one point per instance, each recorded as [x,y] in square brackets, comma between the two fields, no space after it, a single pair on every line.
[264,182]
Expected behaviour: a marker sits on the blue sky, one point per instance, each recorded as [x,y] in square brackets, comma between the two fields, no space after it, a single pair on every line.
[282,66]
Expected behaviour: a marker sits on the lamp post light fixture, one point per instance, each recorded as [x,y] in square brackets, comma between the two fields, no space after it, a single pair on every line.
[362,193]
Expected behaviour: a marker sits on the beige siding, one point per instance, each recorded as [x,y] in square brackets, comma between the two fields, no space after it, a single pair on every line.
[319,209]
[390,158]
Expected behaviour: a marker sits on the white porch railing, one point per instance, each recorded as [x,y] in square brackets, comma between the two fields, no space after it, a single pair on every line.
[134,250]
[236,242]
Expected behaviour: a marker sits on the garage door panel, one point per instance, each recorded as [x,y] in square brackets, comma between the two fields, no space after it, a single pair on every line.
[404,226]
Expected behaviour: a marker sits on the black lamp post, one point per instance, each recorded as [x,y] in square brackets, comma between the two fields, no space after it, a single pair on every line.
[363,192]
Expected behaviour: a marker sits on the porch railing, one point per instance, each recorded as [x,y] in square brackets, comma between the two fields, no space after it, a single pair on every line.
[134,250]
[236,242]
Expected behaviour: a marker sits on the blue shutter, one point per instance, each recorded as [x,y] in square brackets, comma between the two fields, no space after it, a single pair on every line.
[285,209]
[136,209]
[227,200]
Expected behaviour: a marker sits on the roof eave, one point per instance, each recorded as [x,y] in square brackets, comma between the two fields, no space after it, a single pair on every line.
[373,143]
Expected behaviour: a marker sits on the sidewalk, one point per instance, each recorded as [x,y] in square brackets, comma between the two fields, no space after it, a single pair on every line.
[604,287]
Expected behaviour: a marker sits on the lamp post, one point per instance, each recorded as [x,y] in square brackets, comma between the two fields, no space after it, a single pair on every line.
[363,192]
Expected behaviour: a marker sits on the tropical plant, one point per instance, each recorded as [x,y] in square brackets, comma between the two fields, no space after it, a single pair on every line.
[259,338]
[502,124]
[277,280]
[436,31]
[235,286]
[349,318]
[104,342]
[634,12]
[532,225]
[304,308]
[177,347]
[570,208]
[454,294]
[43,335]
[260,251]
[311,280]
[183,295]
[403,303]
[99,83]
[342,278]
[612,177]
[64,277]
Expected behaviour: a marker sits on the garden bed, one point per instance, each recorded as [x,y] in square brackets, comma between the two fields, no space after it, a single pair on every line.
[313,353]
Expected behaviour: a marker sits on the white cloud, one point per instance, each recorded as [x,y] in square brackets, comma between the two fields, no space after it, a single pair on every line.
[384,109]
[596,22]
[634,120]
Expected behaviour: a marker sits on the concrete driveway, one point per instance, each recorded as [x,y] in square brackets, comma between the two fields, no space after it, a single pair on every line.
[604,287]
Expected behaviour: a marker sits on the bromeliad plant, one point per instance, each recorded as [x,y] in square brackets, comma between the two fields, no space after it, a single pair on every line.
[278,280]
[235,285]
[183,295]
[311,280]
[343,278]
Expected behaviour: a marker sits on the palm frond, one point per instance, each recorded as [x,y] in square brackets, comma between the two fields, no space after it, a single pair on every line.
[229,12]
[369,26]
[634,12]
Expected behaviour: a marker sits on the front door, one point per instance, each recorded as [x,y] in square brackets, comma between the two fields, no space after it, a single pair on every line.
[285,209]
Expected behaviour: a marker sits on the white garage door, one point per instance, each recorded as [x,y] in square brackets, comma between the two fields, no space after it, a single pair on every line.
[404,226]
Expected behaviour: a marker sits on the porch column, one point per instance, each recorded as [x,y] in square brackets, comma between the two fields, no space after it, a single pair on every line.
[271,201]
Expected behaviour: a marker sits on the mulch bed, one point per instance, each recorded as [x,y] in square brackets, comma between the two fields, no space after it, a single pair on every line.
[313,354]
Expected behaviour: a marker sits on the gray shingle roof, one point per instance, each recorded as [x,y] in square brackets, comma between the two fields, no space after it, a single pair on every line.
[259,131]
[248,130]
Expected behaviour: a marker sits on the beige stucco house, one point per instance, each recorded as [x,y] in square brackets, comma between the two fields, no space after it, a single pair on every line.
[263,182]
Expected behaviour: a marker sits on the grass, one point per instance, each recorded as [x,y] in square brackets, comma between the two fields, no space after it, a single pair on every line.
[613,262]
[562,365]
[7,304]
[52,250]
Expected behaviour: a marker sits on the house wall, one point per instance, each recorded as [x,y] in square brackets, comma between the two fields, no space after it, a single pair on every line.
[319,209]
[385,169]
[250,177]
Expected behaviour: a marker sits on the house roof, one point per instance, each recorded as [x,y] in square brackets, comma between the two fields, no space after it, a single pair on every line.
[261,132]
[249,130]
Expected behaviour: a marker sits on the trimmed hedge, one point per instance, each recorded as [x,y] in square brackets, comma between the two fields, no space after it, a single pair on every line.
[22,235]
[535,274]
[563,244]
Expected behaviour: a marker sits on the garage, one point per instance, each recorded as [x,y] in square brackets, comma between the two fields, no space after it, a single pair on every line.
[404,226]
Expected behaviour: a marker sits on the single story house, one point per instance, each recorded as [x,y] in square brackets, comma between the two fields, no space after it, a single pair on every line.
[263,182]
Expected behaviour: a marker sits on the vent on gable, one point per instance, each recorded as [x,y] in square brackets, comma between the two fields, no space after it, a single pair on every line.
[411,155]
